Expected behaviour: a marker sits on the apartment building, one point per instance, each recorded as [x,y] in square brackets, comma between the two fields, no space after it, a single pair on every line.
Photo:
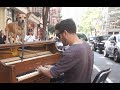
[37,11]
[34,19]
[112,24]
[9,12]
[54,15]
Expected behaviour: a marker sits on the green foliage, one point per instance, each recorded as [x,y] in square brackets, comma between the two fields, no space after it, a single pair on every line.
[51,29]
[87,18]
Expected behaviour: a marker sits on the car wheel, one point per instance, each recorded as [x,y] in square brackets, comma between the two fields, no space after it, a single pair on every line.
[115,57]
[100,51]
[105,53]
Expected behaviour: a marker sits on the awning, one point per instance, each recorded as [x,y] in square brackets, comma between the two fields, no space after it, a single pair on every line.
[20,9]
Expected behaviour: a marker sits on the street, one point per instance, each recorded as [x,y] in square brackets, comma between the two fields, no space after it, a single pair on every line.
[101,62]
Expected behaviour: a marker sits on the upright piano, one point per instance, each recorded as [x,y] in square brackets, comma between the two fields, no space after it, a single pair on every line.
[13,69]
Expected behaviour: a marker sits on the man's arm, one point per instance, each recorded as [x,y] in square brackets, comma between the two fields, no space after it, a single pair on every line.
[45,70]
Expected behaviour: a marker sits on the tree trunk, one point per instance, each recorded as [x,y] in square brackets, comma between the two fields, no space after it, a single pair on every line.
[45,18]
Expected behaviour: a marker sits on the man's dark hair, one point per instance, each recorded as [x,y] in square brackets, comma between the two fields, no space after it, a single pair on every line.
[68,25]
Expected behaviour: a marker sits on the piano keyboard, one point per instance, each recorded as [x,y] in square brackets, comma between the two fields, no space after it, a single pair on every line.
[28,75]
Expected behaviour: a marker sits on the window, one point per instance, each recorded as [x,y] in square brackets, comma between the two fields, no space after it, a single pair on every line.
[9,12]
[118,38]
[111,38]
[105,37]
[116,32]
[92,38]
[110,33]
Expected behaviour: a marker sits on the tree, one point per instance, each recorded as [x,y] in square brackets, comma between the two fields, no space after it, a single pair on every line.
[87,19]
[45,19]
[51,28]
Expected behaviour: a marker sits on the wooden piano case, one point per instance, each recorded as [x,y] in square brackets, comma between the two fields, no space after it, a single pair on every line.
[13,69]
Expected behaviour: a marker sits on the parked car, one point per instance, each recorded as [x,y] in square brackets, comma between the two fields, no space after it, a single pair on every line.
[82,36]
[91,41]
[112,47]
[98,43]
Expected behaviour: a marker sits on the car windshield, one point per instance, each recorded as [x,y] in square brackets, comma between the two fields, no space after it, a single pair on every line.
[105,37]
[101,38]
[82,36]
[118,38]
[92,38]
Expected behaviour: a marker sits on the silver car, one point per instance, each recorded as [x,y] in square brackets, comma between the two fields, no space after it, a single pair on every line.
[112,47]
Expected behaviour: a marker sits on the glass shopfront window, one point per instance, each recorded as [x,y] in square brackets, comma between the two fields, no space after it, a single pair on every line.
[12,14]
[9,13]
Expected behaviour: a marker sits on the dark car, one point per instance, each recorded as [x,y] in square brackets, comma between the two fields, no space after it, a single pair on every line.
[91,41]
[82,36]
[112,47]
[98,43]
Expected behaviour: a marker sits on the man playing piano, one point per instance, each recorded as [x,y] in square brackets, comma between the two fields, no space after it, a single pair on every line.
[76,62]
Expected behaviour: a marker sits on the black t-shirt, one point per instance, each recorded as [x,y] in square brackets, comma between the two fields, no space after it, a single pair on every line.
[76,63]
[2,39]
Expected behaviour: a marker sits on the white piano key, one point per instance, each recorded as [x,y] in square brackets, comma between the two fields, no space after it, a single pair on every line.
[29,75]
